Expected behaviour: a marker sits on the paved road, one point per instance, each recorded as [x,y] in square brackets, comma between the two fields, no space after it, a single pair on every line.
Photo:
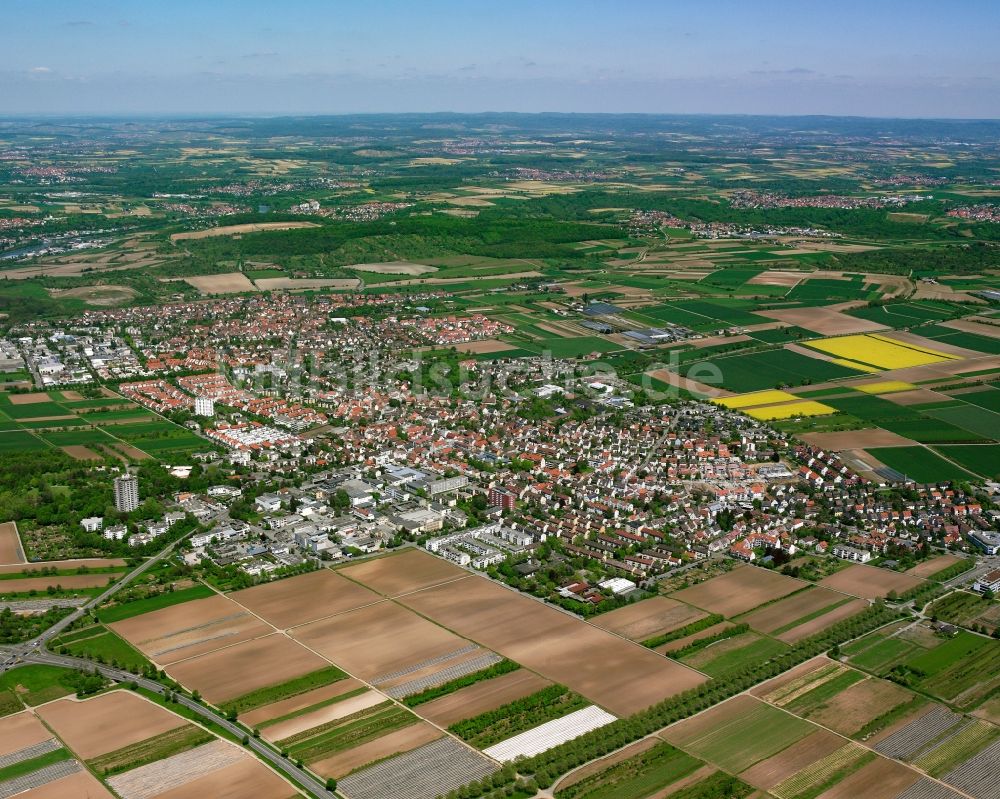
[284,765]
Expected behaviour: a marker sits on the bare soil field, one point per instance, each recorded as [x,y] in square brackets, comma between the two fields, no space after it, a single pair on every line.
[292,704]
[229,283]
[768,773]
[65,580]
[738,591]
[123,718]
[778,614]
[622,677]
[820,623]
[487,345]
[303,283]
[191,628]
[338,710]
[231,230]
[918,396]
[856,439]
[853,708]
[237,670]
[481,697]
[247,777]
[649,618]
[402,573]
[132,452]
[933,565]
[395,268]
[395,743]
[869,582]
[20,731]
[972,326]
[880,779]
[82,784]
[823,320]
[90,563]
[28,399]
[10,544]
[379,640]
[81,453]
[299,600]
[774,277]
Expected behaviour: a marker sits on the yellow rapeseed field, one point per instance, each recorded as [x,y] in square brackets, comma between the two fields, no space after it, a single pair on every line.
[861,367]
[878,351]
[756,398]
[802,408]
[886,387]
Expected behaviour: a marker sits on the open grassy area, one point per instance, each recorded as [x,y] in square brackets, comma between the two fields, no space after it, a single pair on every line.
[127,610]
[640,775]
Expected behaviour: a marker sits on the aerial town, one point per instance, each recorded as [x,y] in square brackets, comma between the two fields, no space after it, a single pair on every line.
[458,454]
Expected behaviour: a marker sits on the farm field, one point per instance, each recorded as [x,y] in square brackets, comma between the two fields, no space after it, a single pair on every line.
[649,618]
[742,589]
[560,648]
[482,697]
[928,568]
[274,710]
[192,628]
[967,609]
[277,660]
[869,582]
[920,464]
[738,733]
[732,654]
[124,718]
[10,544]
[403,573]
[790,619]
[291,603]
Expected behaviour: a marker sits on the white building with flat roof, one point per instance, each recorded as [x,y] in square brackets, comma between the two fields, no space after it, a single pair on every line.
[204,406]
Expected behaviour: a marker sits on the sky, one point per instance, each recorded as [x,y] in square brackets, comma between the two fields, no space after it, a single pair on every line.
[890,58]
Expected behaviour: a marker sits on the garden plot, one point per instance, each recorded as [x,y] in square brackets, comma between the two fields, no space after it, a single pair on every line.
[250,666]
[830,768]
[424,773]
[880,779]
[926,788]
[192,628]
[299,600]
[740,590]
[550,734]
[915,736]
[793,760]
[979,776]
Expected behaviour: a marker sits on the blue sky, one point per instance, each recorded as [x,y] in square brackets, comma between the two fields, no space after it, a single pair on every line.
[873,58]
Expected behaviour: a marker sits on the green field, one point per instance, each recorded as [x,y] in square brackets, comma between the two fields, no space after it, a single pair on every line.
[919,463]
[751,737]
[102,645]
[640,775]
[348,732]
[497,725]
[734,653]
[127,610]
[983,459]
[20,441]
[762,370]
[36,684]
[289,688]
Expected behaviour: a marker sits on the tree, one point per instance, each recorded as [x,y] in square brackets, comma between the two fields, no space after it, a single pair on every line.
[331,784]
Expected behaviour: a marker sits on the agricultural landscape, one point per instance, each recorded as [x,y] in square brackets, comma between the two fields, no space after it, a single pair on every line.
[453,456]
